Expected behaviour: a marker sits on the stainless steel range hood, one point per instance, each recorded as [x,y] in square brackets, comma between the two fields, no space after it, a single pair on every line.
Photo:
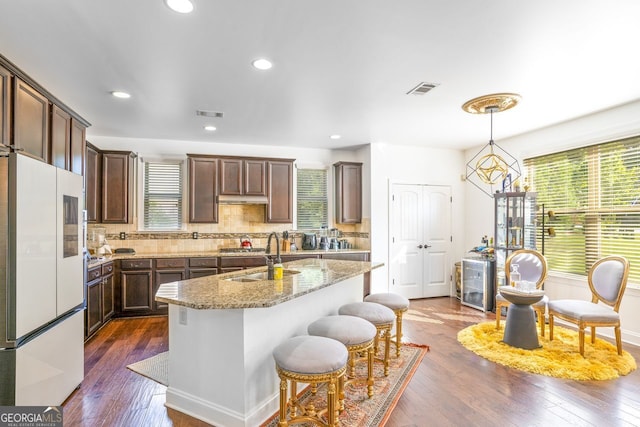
[242,200]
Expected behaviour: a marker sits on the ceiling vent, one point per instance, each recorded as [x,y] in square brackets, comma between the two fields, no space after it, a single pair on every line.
[204,113]
[422,88]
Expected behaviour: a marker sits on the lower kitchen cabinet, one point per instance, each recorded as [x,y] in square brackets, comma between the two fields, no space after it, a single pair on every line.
[136,286]
[93,313]
[202,266]
[231,263]
[100,297]
[137,280]
[167,270]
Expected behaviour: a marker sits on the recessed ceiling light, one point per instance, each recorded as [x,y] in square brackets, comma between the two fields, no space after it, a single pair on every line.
[210,128]
[262,64]
[120,94]
[336,136]
[180,6]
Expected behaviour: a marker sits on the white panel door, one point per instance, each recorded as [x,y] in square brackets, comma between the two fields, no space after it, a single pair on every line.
[406,240]
[420,240]
[70,264]
[34,217]
[437,240]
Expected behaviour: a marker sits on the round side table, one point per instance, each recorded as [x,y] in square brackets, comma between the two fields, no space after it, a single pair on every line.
[520,328]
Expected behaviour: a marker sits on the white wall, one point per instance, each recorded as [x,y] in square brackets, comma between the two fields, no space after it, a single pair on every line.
[603,126]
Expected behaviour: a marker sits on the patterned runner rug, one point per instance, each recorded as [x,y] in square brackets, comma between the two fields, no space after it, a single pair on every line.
[360,411]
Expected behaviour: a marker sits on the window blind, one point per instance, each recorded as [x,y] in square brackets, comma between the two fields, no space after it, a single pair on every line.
[593,194]
[312,205]
[162,196]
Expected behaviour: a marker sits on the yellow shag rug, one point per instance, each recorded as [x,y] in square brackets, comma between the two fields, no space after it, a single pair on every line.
[559,358]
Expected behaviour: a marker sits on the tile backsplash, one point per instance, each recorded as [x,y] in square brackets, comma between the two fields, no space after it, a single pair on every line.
[235,221]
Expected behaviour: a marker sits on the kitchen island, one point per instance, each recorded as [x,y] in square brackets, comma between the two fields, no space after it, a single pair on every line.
[223,329]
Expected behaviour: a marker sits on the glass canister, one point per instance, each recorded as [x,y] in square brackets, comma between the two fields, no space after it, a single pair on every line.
[515,275]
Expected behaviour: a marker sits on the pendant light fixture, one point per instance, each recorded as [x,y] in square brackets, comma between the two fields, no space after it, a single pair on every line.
[492,166]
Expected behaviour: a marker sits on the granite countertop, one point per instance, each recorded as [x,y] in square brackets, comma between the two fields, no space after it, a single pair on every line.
[219,292]
[107,258]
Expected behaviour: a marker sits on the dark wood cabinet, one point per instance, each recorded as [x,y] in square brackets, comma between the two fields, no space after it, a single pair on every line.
[93,184]
[136,286]
[100,297]
[108,293]
[242,177]
[279,191]
[348,192]
[5,106]
[203,187]
[231,182]
[36,123]
[93,313]
[117,187]
[167,270]
[30,120]
[228,264]
[77,149]
[60,138]
[201,267]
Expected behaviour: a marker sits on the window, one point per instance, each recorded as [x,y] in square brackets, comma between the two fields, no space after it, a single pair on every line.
[594,195]
[312,198]
[162,195]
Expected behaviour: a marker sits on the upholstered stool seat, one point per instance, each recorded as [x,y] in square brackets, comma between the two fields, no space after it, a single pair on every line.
[399,305]
[309,359]
[382,318]
[357,334]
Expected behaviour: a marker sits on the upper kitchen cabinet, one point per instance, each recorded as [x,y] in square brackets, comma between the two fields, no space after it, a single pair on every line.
[117,187]
[280,191]
[5,105]
[31,120]
[348,181]
[78,145]
[67,141]
[35,122]
[203,187]
[60,137]
[242,177]
[93,184]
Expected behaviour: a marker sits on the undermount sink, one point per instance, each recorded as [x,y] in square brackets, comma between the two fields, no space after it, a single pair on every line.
[259,276]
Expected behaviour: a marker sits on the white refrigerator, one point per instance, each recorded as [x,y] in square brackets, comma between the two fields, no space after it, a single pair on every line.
[41,282]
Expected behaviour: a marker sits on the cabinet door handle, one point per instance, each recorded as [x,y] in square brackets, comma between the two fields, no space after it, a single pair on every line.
[427,246]
[419,246]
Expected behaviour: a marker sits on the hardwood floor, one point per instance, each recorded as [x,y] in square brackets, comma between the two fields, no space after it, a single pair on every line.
[452,386]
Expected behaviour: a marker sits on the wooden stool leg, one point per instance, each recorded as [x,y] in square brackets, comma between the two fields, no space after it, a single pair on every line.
[370,372]
[294,399]
[398,332]
[386,350]
[331,402]
[283,404]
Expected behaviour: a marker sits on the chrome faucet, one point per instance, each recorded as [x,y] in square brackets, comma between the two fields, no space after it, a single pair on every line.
[268,252]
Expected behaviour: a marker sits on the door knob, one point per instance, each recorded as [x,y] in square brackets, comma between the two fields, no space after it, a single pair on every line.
[427,246]
[419,246]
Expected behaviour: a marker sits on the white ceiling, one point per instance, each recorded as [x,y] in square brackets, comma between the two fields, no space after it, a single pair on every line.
[340,66]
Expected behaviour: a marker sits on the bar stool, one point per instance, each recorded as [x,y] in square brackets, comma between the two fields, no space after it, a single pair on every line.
[357,335]
[309,359]
[381,317]
[399,305]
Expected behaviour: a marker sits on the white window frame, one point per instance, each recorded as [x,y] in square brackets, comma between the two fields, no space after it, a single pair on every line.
[329,184]
[141,171]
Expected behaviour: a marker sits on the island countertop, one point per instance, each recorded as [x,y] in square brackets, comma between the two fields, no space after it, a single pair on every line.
[239,290]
